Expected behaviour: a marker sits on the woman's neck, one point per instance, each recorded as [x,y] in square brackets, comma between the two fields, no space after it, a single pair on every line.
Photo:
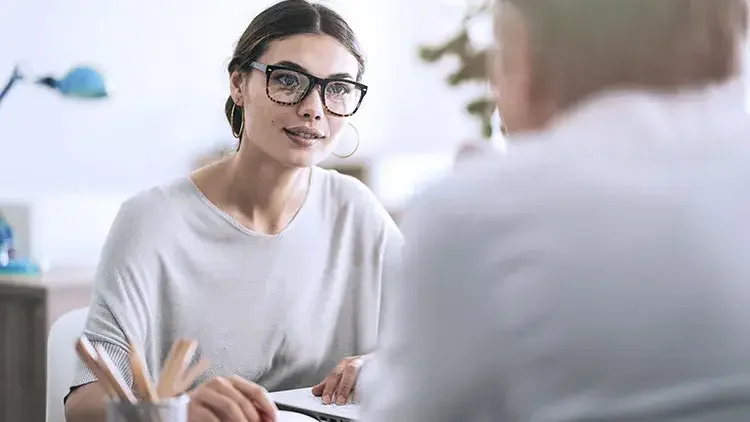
[255,190]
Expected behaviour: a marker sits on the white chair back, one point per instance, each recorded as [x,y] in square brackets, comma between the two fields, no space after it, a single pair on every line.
[61,360]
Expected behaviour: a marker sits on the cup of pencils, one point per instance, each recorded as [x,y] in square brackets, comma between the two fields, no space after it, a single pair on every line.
[164,401]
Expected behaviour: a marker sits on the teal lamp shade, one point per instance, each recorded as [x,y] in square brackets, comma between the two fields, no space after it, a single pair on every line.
[79,82]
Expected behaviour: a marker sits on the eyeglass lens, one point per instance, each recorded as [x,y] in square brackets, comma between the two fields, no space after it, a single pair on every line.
[288,86]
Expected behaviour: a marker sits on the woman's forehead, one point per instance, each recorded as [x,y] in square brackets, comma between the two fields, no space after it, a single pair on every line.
[321,55]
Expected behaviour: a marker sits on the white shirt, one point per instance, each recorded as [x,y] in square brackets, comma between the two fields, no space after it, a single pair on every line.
[281,310]
[600,271]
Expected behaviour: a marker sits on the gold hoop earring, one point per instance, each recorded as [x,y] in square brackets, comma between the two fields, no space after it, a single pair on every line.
[237,135]
[355,148]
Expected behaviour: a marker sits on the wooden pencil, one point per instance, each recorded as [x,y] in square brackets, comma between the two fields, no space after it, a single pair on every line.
[113,376]
[141,375]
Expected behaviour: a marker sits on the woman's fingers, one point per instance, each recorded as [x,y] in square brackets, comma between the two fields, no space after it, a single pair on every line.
[220,405]
[317,390]
[258,396]
[201,414]
[332,382]
[221,398]
[346,383]
[339,385]
[228,387]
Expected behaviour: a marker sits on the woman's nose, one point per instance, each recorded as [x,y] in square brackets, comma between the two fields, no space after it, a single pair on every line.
[312,108]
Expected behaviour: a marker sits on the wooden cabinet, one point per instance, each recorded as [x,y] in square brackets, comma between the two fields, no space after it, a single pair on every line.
[23,351]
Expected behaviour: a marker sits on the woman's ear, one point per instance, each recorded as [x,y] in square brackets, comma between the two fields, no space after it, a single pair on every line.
[236,86]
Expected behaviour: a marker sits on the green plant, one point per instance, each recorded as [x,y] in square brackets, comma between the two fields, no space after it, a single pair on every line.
[472,68]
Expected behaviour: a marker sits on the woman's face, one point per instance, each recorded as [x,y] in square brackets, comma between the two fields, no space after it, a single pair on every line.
[303,134]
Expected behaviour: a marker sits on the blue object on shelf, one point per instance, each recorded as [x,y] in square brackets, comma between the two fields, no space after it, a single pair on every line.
[6,243]
[9,262]
[21,267]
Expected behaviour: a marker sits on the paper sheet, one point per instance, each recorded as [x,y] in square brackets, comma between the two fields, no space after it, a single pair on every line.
[303,398]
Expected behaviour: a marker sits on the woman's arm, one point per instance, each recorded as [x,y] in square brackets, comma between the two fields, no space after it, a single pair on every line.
[121,305]
[392,267]
[86,404]
[339,385]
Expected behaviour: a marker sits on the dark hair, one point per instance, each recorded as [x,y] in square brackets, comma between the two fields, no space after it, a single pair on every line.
[285,19]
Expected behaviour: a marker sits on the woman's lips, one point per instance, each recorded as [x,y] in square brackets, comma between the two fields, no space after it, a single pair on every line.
[304,137]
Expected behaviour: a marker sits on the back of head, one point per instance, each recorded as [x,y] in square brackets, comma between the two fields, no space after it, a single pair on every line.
[285,19]
[579,47]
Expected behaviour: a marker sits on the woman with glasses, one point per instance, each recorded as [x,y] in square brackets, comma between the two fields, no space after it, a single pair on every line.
[274,265]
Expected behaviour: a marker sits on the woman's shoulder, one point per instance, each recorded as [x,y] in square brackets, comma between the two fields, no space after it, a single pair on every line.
[155,205]
[350,198]
[345,193]
[343,189]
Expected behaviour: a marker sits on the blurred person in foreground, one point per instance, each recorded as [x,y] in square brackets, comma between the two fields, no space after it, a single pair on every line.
[600,271]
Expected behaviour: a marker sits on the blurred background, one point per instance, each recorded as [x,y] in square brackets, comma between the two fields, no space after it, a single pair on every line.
[67,164]
[132,96]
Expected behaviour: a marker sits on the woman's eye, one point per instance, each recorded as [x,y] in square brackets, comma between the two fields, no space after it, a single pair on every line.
[287,80]
[339,89]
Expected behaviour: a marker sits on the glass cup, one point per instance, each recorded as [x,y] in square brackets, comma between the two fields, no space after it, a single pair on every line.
[172,410]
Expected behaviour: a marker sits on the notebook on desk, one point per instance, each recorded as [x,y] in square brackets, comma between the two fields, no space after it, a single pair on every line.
[302,401]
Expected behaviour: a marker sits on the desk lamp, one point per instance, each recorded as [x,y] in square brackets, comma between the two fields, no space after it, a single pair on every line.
[81,82]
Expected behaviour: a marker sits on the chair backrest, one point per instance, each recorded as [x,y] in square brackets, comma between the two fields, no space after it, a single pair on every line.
[62,359]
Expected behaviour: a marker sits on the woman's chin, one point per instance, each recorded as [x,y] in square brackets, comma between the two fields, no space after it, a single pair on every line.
[303,158]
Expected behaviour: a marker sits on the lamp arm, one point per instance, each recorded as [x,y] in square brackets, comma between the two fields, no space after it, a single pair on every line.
[14,77]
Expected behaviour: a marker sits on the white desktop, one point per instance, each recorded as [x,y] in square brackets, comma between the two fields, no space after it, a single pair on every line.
[302,401]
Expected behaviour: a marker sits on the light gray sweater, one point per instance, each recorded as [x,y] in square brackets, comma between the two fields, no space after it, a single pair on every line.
[279,310]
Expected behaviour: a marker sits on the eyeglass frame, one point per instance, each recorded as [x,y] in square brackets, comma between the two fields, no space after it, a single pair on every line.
[314,81]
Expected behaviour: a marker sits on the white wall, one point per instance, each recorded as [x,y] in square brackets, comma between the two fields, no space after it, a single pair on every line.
[165,63]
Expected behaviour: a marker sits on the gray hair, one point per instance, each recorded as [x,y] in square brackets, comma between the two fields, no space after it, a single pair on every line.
[580,47]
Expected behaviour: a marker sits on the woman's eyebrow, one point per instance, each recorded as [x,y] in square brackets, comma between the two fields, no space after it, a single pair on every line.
[297,66]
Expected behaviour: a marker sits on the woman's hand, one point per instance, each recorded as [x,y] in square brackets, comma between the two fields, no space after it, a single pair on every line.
[231,399]
[339,385]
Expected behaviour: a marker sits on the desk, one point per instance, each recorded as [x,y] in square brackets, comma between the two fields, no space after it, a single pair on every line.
[67,288]
[23,351]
